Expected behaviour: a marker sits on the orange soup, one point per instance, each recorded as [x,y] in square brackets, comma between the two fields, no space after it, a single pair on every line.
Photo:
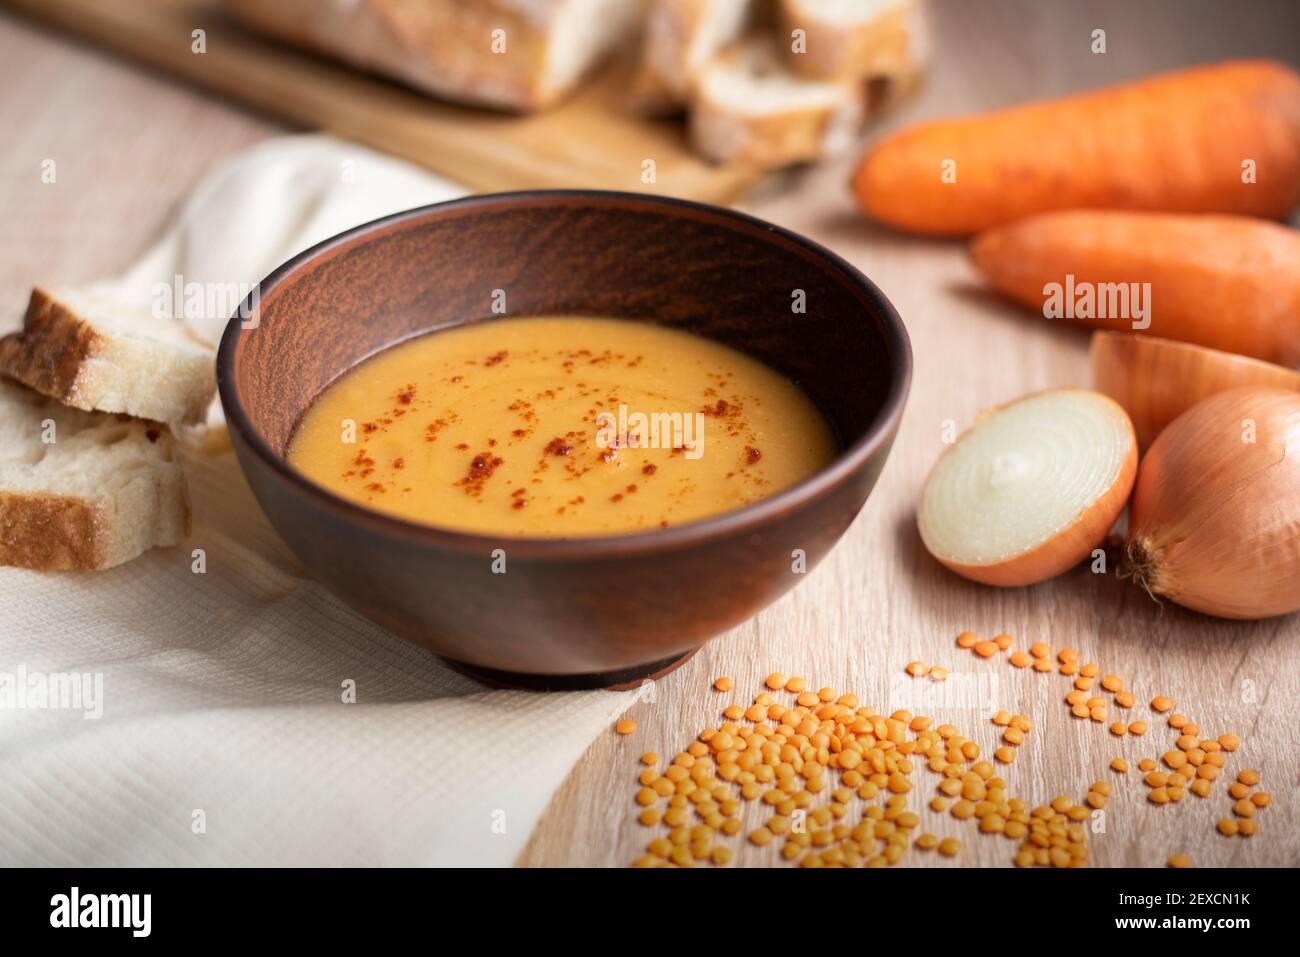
[560,428]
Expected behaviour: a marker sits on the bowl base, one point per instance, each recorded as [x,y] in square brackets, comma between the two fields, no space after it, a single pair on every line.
[622,680]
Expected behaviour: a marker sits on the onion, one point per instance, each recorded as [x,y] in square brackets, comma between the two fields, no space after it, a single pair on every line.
[1157,380]
[1215,518]
[1031,488]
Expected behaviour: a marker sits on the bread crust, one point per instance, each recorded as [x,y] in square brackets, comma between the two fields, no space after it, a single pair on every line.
[440,46]
[51,532]
[728,130]
[51,351]
[63,356]
[774,139]
[105,489]
[671,52]
[890,45]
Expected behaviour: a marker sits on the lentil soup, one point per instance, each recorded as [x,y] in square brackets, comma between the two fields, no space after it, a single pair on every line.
[560,427]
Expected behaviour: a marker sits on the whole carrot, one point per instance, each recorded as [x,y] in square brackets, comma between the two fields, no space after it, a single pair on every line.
[1215,139]
[1227,282]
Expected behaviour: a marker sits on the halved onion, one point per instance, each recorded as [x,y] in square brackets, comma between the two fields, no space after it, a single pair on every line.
[1157,380]
[1031,489]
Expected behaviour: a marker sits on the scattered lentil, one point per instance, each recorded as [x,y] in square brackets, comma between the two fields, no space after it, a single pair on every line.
[783,757]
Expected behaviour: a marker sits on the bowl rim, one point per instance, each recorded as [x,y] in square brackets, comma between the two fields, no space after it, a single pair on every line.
[736,521]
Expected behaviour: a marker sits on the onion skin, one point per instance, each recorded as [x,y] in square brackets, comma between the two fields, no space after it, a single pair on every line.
[1215,521]
[1157,380]
[1227,282]
[1068,547]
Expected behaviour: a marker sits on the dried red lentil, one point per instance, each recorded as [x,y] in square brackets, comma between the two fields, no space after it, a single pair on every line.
[813,736]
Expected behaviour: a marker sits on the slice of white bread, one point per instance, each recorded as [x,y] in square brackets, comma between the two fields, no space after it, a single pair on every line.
[855,39]
[90,349]
[452,48]
[750,107]
[83,490]
[680,38]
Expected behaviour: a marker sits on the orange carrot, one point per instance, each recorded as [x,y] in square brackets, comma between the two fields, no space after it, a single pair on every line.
[1227,282]
[1215,139]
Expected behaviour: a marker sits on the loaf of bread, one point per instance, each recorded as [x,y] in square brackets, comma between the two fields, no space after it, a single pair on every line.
[855,38]
[83,490]
[750,107]
[90,350]
[802,91]
[680,38]
[511,54]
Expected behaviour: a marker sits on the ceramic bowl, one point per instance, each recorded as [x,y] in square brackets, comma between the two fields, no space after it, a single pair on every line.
[586,612]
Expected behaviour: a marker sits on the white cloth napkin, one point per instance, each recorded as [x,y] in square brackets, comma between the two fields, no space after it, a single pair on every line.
[224,736]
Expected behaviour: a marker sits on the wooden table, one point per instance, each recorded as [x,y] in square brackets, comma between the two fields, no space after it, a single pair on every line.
[129,144]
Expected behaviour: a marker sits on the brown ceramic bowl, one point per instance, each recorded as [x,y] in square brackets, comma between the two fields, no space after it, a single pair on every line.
[578,612]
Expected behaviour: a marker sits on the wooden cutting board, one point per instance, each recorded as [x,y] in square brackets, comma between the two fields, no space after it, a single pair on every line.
[591,140]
